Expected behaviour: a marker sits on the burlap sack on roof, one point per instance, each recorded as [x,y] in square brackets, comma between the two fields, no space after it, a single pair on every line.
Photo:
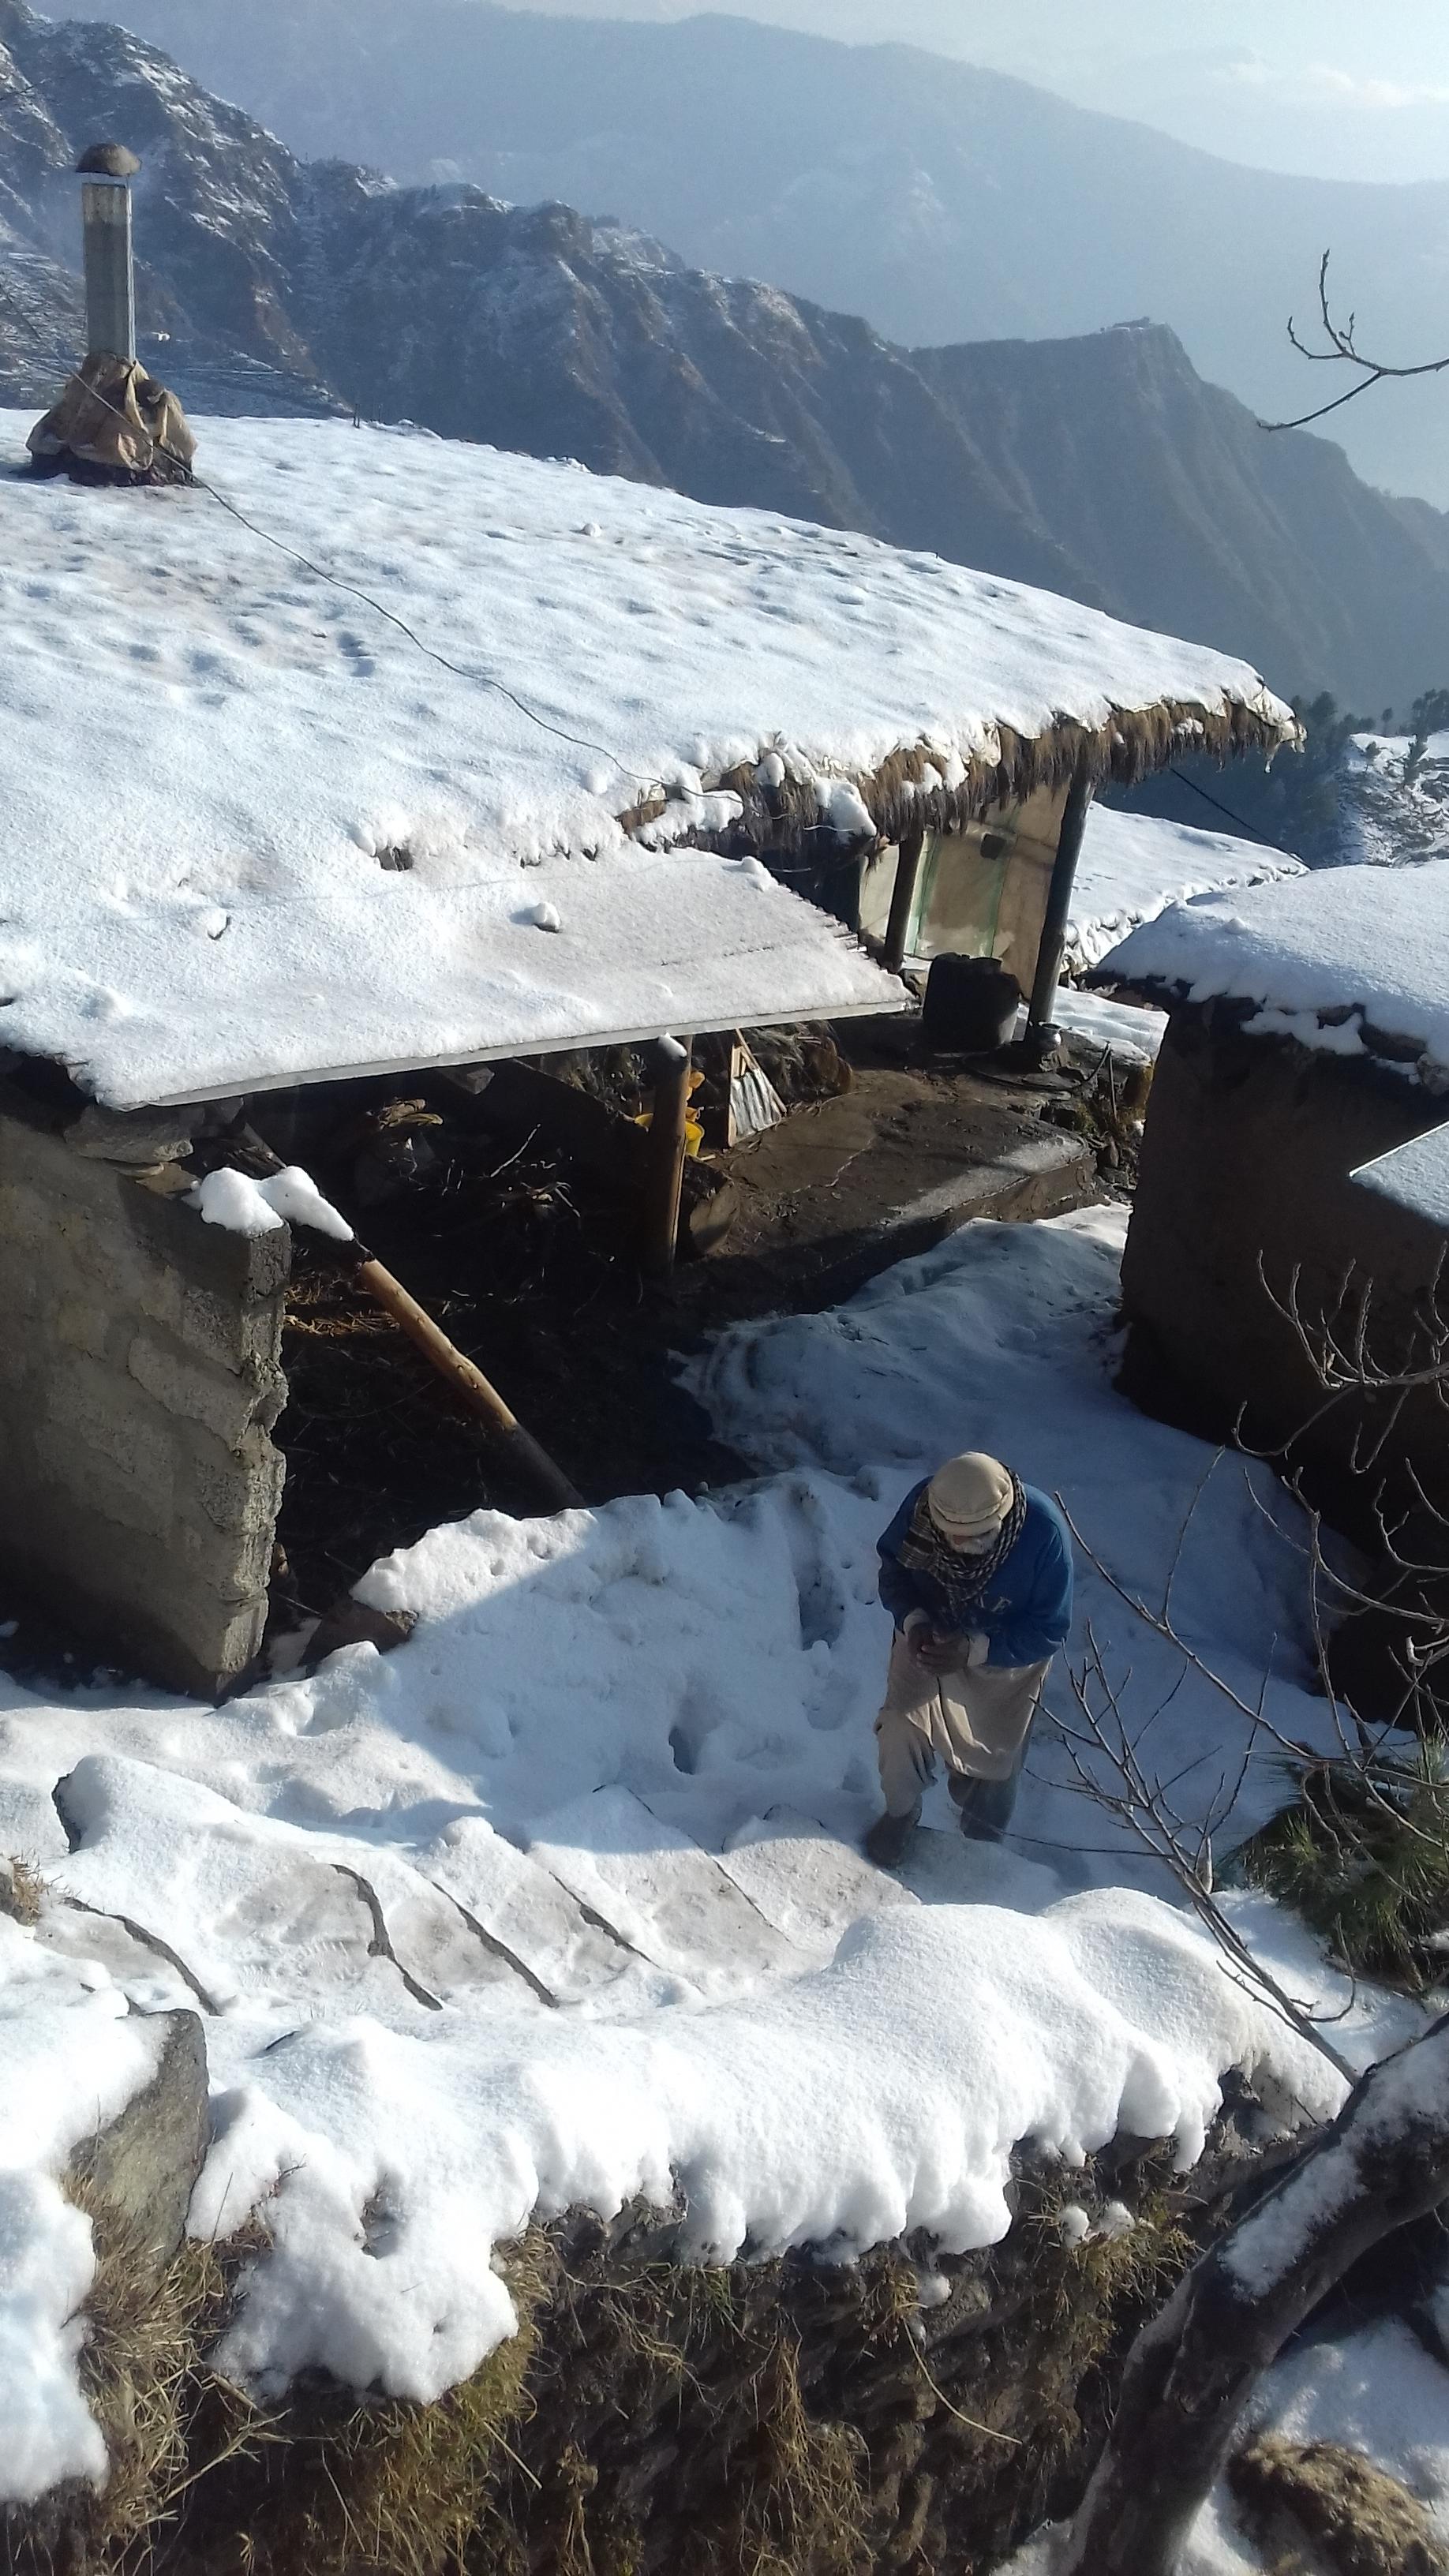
[112,414]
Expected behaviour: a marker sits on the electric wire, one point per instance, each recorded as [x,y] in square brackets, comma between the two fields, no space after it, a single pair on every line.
[488,679]
[480,679]
[1218,807]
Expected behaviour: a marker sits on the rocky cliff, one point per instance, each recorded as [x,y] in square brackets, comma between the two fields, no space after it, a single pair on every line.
[943,201]
[1103,467]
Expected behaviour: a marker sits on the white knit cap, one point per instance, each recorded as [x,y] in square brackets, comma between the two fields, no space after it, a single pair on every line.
[970,1496]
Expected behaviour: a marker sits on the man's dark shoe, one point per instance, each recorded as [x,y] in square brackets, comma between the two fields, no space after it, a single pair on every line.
[887,1840]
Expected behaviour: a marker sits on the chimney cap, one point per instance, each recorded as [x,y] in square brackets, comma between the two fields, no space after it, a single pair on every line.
[107,161]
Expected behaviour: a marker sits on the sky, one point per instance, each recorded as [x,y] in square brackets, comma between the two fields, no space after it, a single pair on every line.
[1355,89]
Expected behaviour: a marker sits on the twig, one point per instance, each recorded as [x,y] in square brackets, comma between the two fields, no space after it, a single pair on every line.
[1012,2439]
[1343,350]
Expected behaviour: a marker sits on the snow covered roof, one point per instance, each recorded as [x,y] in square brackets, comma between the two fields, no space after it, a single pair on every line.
[1414,1177]
[1354,961]
[255,834]
[1133,865]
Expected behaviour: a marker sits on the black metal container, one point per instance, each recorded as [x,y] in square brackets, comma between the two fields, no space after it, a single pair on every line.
[971,1006]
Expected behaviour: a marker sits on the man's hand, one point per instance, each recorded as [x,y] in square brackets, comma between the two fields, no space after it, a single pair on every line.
[937,1653]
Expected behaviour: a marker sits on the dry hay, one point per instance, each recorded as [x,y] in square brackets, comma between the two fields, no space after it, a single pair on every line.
[165,2418]
[383,2486]
[1316,2509]
[22,1891]
[784,823]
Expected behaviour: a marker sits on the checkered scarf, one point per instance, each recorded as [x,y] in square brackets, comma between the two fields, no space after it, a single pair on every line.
[963,1579]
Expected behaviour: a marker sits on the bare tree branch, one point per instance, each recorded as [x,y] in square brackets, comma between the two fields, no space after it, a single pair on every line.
[1342,350]
[1105,1756]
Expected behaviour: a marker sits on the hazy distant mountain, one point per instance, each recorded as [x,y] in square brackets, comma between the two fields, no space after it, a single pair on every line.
[942,202]
[1102,467]
[1168,496]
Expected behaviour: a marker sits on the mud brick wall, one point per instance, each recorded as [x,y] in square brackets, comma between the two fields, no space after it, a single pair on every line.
[1247,1160]
[139,1382]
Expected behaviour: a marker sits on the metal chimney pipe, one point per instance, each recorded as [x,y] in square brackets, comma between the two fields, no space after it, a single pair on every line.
[106,172]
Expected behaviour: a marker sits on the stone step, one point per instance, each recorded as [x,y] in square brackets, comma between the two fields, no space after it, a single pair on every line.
[524,1907]
[665,1895]
[247,1909]
[805,1881]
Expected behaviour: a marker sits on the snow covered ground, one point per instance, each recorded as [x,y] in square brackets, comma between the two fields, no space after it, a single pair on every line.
[1132,1031]
[604,1805]
[1134,864]
[1392,815]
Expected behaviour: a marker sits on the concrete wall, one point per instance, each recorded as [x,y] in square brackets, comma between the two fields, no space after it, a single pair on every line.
[1247,1154]
[139,1381]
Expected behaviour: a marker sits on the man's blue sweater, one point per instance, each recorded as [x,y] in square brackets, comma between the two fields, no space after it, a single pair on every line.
[1027,1609]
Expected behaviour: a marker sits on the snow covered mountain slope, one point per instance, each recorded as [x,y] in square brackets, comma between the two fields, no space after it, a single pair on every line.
[944,201]
[1132,865]
[1394,801]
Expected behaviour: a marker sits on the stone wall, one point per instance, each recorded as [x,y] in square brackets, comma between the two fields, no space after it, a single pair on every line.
[139,1382]
[1245,1177]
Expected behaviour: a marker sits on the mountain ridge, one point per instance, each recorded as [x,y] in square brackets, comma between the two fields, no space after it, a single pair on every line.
[941,201]
[1104,468]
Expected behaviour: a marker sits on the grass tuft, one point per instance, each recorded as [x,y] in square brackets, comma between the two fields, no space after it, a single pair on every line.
[1363,1855]
[144,2375]
[802,2495]
[1319,2505]
[22,1891]
[391,2488]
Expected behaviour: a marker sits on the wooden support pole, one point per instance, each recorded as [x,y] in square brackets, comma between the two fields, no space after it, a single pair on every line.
[903,899]
[1041,1034]
[472,1388]
[474,1391]
[664,1174]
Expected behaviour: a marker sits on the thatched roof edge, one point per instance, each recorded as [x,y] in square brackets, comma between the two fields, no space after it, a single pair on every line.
[787,821]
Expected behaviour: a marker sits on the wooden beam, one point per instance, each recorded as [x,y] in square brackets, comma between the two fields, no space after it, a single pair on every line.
[1041,1034]
[474,1391]
[903,899]
[665,1175]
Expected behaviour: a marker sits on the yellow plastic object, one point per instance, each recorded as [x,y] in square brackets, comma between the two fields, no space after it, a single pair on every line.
[693,1129]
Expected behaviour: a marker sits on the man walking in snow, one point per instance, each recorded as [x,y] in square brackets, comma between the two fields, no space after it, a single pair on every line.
[976,1571]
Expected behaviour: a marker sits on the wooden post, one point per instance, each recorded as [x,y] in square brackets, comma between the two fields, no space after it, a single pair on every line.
[469,1384]
[473,1390]
[1041,1034]
[664,1175]
[903,899]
